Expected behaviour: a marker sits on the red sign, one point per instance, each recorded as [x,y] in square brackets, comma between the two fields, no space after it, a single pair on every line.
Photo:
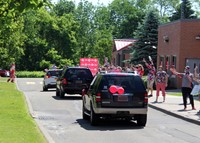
[91,63]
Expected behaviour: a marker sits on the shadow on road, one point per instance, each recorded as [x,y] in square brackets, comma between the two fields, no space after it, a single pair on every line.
[111,125]
[52,90]
[68,98]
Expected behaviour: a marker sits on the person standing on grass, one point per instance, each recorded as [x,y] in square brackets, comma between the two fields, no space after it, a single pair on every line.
[161,82]
[186,87]
[150,77]
[12,73]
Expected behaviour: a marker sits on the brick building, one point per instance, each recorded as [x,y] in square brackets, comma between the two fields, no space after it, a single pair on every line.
[121,51]
[179,45]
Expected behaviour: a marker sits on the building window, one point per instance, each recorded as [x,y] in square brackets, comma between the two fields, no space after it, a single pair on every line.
[174,61]
[161,61]
[167,63]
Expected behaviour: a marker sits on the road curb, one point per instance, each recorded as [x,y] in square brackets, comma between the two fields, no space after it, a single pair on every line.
[174,114]
[34,116]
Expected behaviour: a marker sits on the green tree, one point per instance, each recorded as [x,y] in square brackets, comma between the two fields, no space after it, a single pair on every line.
[35,45]
[196,7]
[125,16]
[147,35]
[186,9]
[165,8]
[85,17]
[64,7]
[49,38]
[11,23]
[102,35]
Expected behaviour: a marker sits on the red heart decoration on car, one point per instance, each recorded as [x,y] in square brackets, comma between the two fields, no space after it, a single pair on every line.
[120,90]
[113,89]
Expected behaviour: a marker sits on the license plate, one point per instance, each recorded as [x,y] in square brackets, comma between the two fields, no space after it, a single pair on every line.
[79,81]
[122,98]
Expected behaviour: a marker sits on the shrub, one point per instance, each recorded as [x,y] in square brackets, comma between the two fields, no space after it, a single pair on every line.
[29,74]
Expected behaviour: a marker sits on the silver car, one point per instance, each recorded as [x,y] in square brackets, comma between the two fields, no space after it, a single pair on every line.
[50,78]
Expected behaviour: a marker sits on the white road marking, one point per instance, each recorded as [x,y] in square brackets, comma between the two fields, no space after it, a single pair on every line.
[30,82]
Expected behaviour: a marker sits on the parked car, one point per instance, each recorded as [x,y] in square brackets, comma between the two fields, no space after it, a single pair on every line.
[73,80]
[115,95]
[4,73]
[50,78]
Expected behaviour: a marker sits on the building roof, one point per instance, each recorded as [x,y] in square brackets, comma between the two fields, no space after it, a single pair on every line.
[123,43]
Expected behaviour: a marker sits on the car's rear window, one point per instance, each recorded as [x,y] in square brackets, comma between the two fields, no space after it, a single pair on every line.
[81,73]
[54,73]
[129,83]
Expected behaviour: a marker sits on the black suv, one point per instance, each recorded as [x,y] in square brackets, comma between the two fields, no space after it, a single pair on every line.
[73,80]
[116,95]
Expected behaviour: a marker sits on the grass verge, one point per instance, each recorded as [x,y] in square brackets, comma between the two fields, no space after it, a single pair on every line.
[30,74]
[174,93]
[16,124]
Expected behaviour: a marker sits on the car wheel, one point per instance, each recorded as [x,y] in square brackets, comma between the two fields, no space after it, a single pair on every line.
[45,88]
[62,94]
[57,92]
[93,117]
[85,116]
[141,120]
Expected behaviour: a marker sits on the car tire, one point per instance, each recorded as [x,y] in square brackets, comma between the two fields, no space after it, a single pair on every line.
[57,92]
[45,88]
[85,116]
[93,117]
[62,94]
[141,120]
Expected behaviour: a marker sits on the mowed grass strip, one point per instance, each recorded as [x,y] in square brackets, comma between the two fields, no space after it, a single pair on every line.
[174,93]
[16,124]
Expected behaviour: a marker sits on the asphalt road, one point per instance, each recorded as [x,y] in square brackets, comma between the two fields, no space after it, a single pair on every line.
[61,121]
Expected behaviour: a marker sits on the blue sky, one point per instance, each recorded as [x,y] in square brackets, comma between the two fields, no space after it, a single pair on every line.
[105,2]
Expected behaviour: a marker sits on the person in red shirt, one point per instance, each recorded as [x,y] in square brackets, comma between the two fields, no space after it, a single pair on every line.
[161,82]
[140,70]
[12,74]
[150,76]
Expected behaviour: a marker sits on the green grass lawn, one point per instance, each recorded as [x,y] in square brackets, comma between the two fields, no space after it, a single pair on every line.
[16,124]
[174,93]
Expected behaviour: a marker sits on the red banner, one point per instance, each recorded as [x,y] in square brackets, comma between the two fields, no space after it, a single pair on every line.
[91,63]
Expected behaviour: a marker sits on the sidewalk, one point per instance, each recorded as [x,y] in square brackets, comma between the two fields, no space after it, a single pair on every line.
[173,105]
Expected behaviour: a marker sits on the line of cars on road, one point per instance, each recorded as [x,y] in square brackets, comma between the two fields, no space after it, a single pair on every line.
[106,95]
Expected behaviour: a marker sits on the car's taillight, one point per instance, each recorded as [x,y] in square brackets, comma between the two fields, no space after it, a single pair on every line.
[64,81]
[48,76]
[145,97]
[98,97]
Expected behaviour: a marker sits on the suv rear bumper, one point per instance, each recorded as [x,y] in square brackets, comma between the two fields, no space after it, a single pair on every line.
[51,85]
[116,110]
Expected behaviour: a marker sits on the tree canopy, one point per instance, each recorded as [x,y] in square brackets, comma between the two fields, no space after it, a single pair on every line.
[147,34]
[36,33]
